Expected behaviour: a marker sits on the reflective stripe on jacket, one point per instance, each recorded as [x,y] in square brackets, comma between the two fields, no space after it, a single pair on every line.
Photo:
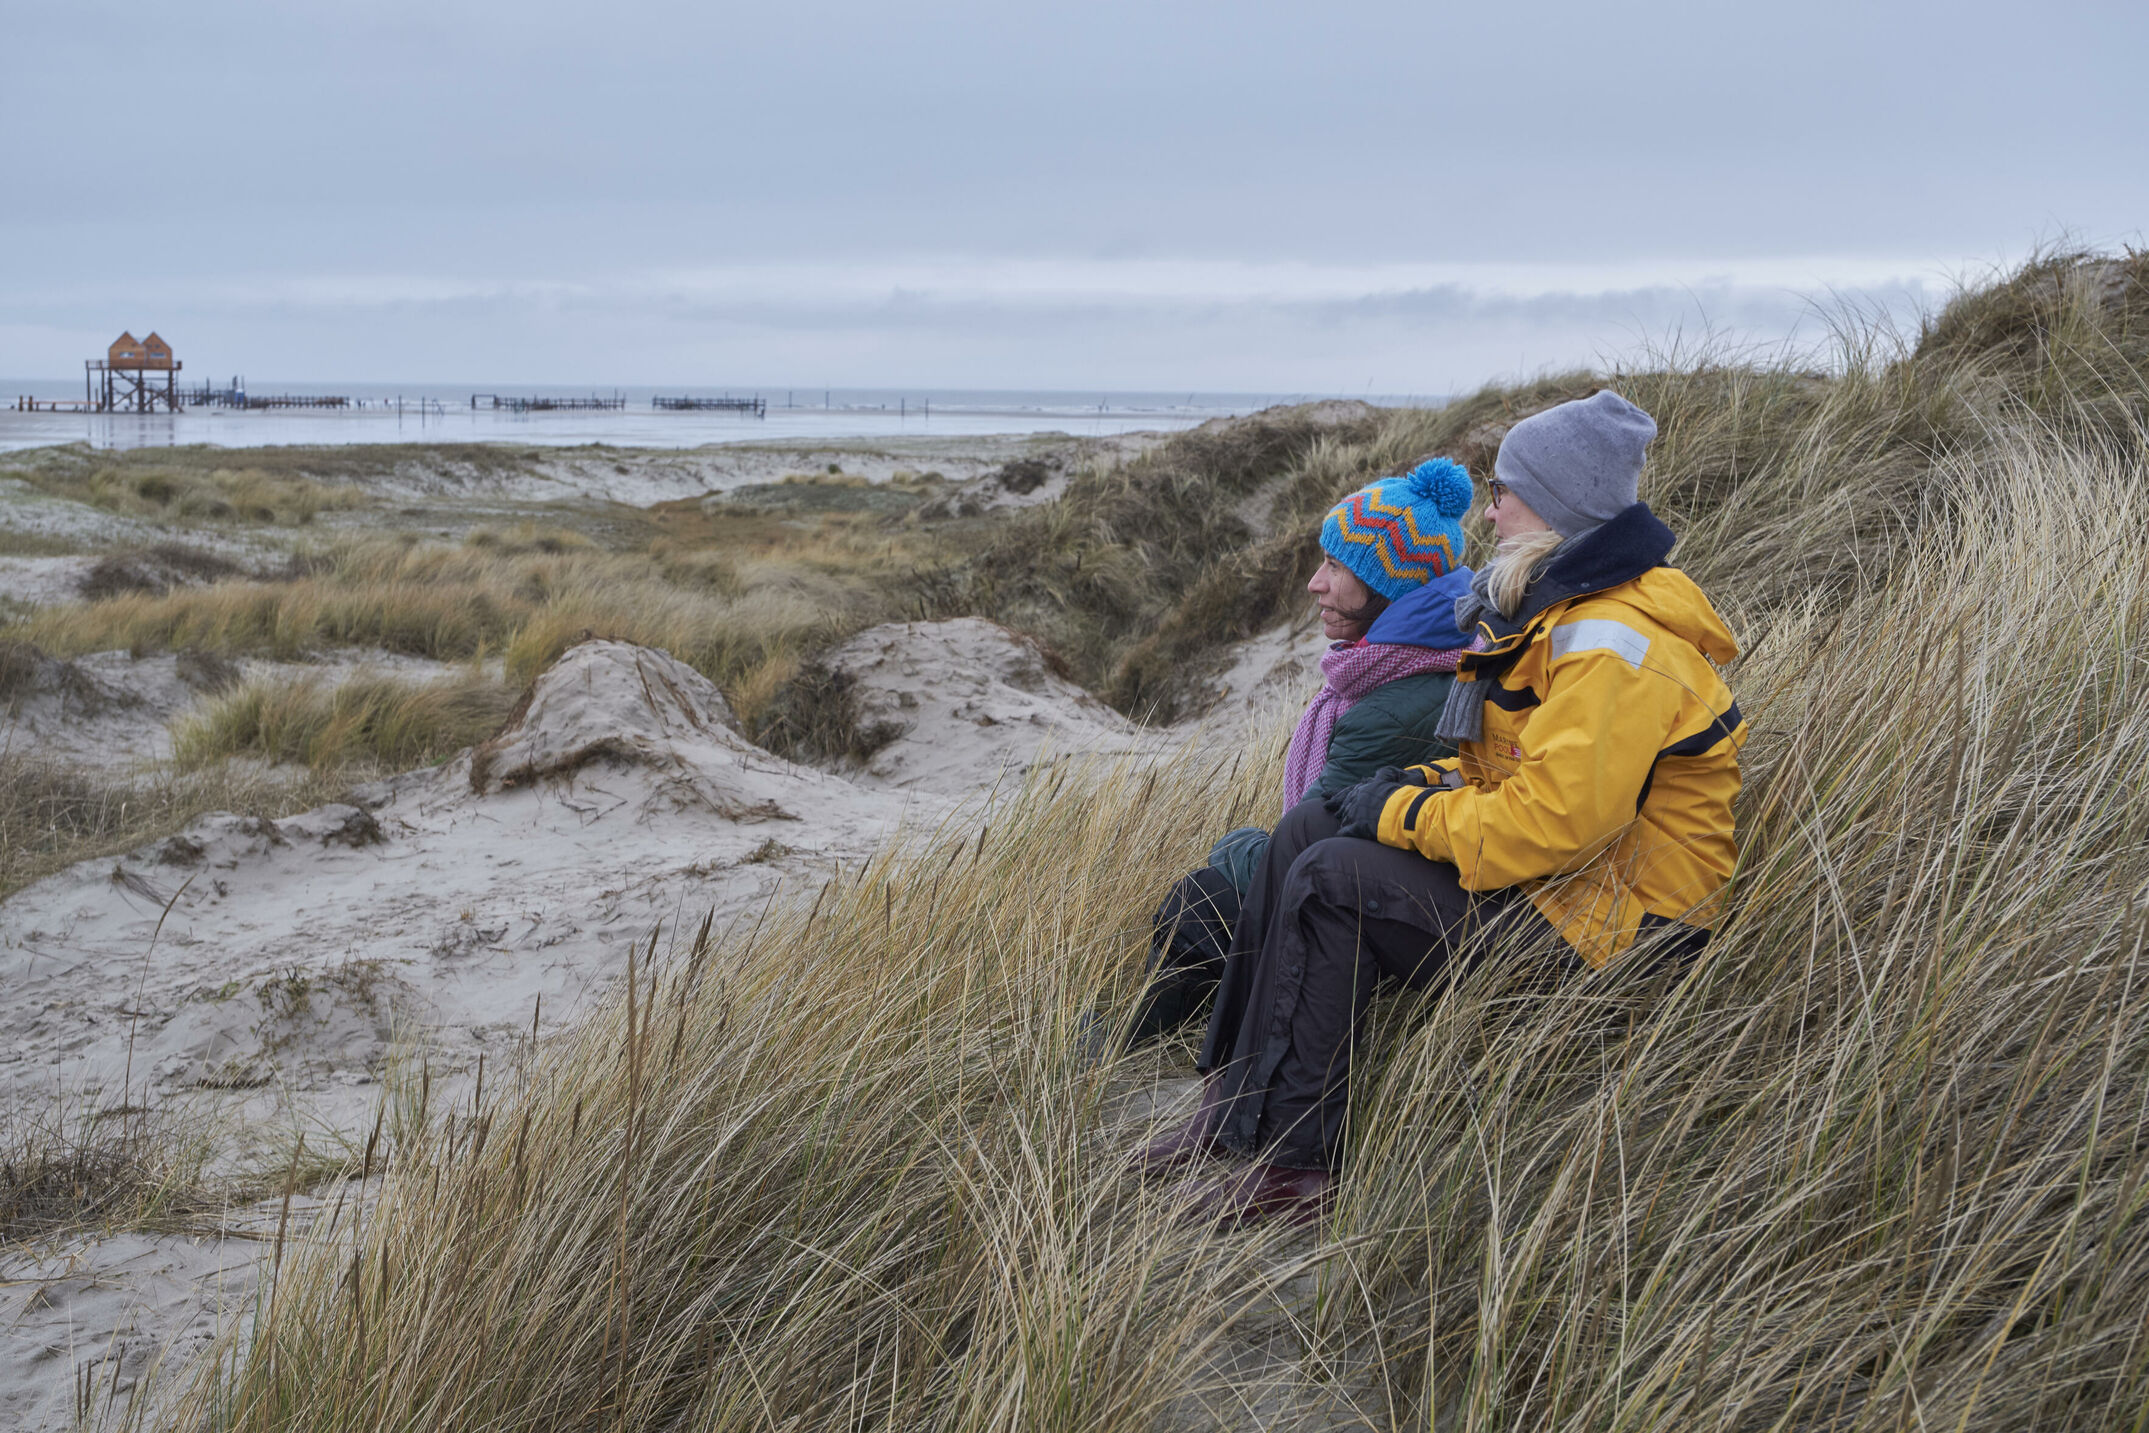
[1604,779]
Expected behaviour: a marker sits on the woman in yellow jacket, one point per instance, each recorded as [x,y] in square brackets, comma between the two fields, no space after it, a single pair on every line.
[1590,808]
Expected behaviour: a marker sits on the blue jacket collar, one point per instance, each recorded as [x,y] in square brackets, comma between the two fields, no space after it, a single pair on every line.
[1425,616]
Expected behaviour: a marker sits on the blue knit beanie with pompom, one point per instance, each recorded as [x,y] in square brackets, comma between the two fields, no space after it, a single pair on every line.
[1400,533]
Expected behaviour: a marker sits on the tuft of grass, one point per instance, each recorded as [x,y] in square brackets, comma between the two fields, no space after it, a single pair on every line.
[53,815]
[529,537]
[104,1169]
[16,543]
[814,716]
[27,671]
[155,569]
[20,666]
[368,722]
[813,493]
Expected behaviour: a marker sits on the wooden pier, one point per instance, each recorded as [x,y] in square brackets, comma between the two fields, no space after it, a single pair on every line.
[753,405]
[292,400]
[208,395]
[543,405]
[27,404]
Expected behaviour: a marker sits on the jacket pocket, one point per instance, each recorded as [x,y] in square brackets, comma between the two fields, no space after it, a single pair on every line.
[1595,908]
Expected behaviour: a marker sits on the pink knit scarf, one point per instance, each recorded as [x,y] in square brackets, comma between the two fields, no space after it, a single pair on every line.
[1352,670]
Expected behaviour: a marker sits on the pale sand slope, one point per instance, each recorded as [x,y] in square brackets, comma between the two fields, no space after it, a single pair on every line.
[115,1306]
[621,799]
[1271,677]
[296,953]
[975,706]
[43,581]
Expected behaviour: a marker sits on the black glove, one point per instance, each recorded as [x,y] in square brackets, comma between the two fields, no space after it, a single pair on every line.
[1392,775]
[1359,807]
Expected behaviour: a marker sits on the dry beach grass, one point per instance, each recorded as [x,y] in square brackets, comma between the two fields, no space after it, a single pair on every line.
[729,612]
[53,815]
[80,1169]
[1881,1161]
[364,723]
[242,491]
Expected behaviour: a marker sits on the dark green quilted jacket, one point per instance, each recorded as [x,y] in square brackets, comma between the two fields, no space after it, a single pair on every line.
[1392,725]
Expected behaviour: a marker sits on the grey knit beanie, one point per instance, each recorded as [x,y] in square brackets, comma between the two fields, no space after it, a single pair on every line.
[1577,465]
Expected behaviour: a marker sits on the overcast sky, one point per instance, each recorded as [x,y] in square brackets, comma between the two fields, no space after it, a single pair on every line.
[1341,197]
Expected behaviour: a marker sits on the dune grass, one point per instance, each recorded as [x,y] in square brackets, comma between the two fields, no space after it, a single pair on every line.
[66,1171]
[1878,1162]
[53,815]
[730,605]
[1780,477]
[156,569]
[238,491]
[15,543]
[364,723]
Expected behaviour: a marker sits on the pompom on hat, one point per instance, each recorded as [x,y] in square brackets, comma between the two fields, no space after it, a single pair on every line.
[1400,533]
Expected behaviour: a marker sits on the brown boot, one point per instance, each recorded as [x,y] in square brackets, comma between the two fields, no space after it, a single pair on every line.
[1194,1140]
[1254,1192]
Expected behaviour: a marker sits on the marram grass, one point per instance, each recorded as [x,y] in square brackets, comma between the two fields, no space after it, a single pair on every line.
[368,721]
[1879,1162]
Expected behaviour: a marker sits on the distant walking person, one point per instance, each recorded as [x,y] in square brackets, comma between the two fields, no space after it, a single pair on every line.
[1590,807]
[1390,576]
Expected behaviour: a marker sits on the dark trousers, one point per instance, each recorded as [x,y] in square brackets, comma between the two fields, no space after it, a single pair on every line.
[1325,921]
[1192,933]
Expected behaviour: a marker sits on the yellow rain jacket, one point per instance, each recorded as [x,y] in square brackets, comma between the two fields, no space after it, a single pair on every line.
[1603,782]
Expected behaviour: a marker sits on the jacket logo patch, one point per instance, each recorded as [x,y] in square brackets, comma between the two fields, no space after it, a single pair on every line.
[1600,634]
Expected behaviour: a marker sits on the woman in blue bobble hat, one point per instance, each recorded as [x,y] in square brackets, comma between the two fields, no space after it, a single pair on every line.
[1391,572]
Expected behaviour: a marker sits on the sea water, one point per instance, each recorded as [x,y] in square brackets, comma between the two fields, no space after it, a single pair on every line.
[434,413]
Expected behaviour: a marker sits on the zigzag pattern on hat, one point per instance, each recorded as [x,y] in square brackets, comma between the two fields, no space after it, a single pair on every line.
[1408,555]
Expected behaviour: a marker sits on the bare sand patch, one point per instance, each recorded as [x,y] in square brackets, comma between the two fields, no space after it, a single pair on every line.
[967,705]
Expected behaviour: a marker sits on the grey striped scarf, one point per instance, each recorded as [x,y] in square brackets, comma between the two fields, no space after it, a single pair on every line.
[1463,717]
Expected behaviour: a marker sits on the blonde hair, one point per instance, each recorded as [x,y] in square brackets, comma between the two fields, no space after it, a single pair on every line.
[1515,564]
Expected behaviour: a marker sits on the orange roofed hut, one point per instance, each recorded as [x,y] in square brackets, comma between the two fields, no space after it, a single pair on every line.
[129,352]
